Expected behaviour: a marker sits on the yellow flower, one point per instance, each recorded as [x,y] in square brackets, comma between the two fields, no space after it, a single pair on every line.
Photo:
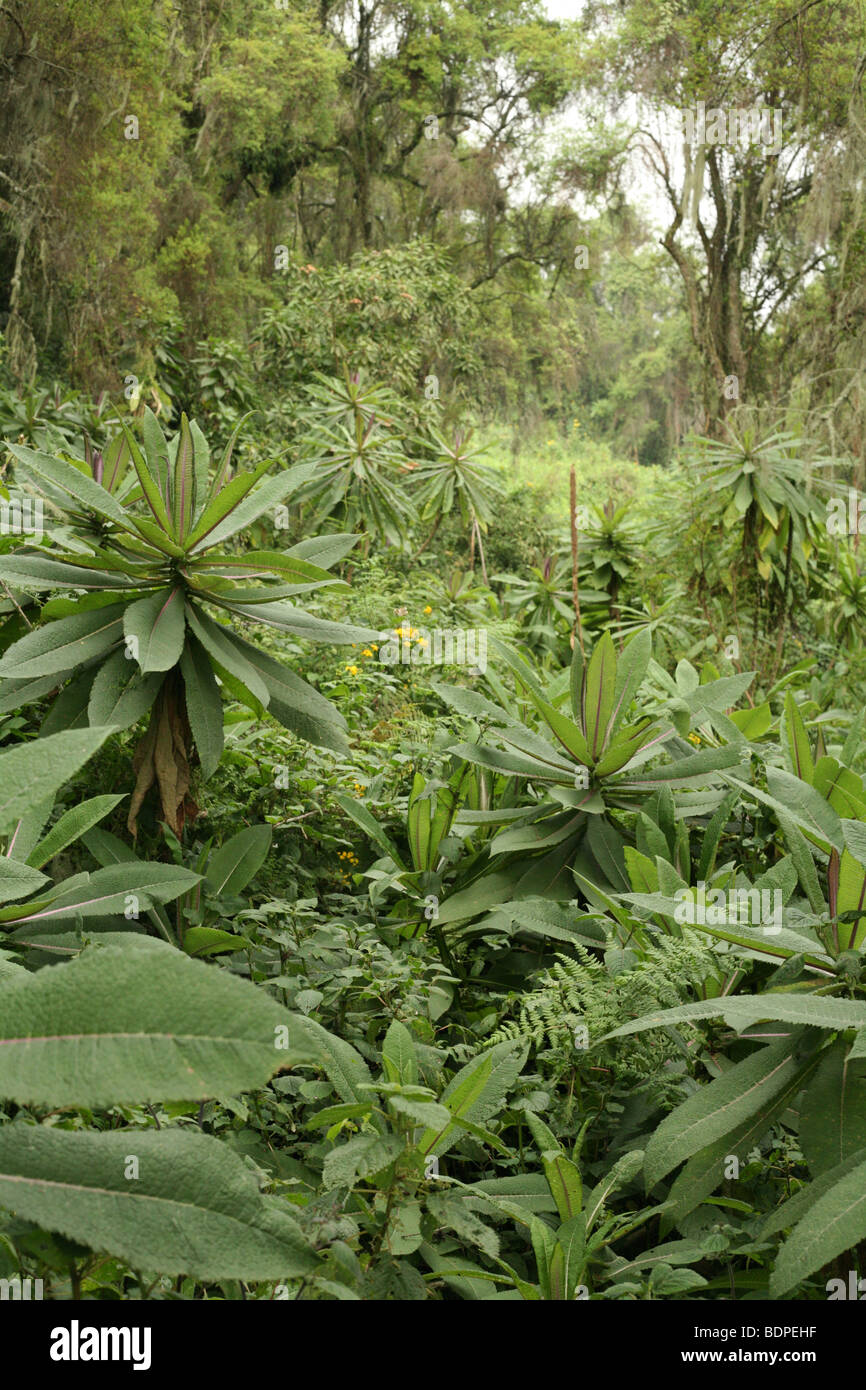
[693,738]
[428,609]
[550,443]
[422,641]
[366,652]
[353,670]
[375,646]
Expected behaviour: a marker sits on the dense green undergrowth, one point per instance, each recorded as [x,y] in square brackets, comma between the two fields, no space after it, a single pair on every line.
[481,949]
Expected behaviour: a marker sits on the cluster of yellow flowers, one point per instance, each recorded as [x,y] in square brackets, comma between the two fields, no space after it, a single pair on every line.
[368,651]
[348,856]
[409,632]
[357,786]
[695,739]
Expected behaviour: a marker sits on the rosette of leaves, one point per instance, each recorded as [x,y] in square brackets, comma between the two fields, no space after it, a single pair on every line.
[456,476]
[610,544]
[148,576]
[355,443]
[764,484]
[544,602]
[594,758]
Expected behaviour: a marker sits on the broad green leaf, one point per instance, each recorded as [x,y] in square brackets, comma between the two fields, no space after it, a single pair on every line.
[795,741]
[742,1011]
[753,723]
[155,449]
[295,703]
[201,466]
[424,1112]
[269,494]
[854,834]
[324,551]
[789,1212]
[193,1207]
[358,812]
[37,572]
[227,497]
[71,826]
[398,1054]
[477,1092]
[116,889]
[119,694]
[841,787]
[211,941]
[183,492]
[599,694]
[18,694]
[796,800]
[217,642]
[698,765]
[803,862]
[75,485]
[31,773]
[155,626]
[204,705]
[528,1192]
[563,1179]
[631,668]
[718,1108]
[836,1222]
[148,483]
[621,751]
[363,1156]
[575,680]
[264,564]
[705,1170]
[64,644]
[140,1023]
[567,732]
[231,867]
[833,1112]
[805,804]
[19,880]
[290,619]
[851,896]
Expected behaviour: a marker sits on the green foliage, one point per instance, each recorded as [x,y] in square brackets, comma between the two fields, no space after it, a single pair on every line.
[153,546]
[539,977]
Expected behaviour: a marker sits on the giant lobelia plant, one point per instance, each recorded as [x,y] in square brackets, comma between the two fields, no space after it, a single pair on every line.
[146,563]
